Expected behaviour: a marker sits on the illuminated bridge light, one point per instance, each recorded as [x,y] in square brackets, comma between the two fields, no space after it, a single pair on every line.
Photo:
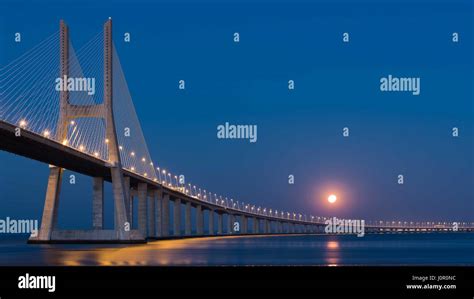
[132,168]
[132,154]
[106,140]
[143,159]
[65,142]
[96,154]
[46,133]
[23,123]
[120,147]
[72,123]
[81,148]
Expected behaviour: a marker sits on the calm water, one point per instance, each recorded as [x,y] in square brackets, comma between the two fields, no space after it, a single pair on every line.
[409,249]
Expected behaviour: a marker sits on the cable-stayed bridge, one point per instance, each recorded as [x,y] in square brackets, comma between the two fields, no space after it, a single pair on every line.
[72,110]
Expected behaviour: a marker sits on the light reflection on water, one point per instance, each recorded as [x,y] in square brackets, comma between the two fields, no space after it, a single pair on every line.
[332,253]
[414,249]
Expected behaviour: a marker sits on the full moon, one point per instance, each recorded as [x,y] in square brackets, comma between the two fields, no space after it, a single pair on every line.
[332,198]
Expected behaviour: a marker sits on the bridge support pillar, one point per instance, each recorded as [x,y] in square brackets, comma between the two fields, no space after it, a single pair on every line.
[230,224]
[142,207]
[151,214]
[187,219]
[98,203]
[51,203]
[211,222]
[177,217]
[158,212]
[255,225]
[165,215]
[128,200]
[199,221]
[244,220]
[220,223]
[265,226]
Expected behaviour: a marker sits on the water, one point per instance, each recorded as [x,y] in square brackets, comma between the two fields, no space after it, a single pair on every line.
[388,249]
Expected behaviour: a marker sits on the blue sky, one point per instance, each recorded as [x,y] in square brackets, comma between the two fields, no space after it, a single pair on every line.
[299,131]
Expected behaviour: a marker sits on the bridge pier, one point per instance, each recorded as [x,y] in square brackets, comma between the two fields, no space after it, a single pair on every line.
[159,213]
[165,219]
[51,203]
[230,224]
[211,222]
[199,220]
[128,200]
[177,217]
[187,219]
[220,223]
[151,214]
[255,225]
[142,208]
[98,203]
[244,221]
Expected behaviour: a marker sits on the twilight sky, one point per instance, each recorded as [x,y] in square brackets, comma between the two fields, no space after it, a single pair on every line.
[299,131]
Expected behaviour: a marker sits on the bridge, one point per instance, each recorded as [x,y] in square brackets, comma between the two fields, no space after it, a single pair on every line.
[69,126]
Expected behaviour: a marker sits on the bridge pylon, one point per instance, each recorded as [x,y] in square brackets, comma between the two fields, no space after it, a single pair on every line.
[122,231]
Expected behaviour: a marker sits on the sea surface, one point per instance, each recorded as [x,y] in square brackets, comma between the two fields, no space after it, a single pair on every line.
[319,250]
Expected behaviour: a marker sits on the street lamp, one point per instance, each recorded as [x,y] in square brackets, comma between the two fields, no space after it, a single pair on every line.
[164,172]
[159,173]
